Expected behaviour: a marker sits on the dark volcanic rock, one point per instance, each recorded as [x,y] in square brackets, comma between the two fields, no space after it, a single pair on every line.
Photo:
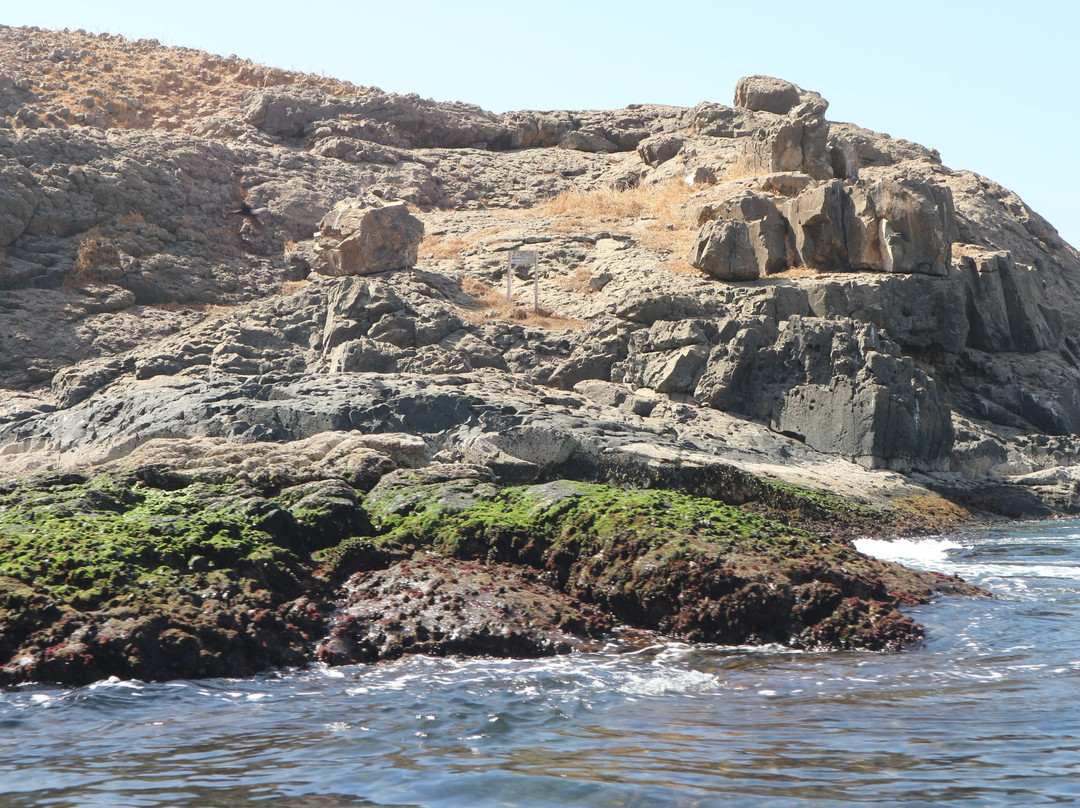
[445,606]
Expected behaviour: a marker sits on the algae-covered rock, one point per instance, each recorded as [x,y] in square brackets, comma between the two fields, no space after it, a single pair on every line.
[113,576]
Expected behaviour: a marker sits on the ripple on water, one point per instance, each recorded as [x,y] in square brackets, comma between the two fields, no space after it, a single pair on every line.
[980,715]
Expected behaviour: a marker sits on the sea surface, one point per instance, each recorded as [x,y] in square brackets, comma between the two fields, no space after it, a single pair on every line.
[987,713]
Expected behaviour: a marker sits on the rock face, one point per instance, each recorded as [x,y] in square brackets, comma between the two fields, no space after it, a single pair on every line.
[724,250]
[366,240]
[305,287]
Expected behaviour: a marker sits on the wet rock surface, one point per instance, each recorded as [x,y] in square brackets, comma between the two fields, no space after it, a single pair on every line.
[154,575]
[451,607]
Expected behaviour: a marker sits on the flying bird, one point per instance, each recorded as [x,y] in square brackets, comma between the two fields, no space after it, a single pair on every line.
[248,212]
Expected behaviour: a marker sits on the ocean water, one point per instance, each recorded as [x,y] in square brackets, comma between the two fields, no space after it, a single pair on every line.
[986,713]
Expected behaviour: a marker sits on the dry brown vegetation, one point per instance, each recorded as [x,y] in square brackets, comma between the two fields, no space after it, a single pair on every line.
[578,281]
[288,287]
[491,304]
[959,248]
[95,253]
[209,309]
[661,214]
[439,248]
[137,83]
[797,272]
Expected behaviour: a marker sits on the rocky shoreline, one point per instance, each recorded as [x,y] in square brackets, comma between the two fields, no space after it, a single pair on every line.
[294,370]
[154,574]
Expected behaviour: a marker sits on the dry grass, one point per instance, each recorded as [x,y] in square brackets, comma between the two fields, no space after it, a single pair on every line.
[209,309]
[959,248]
[744,167]
[680,266]
[492,305]
[663,202]
[797,272]
[661,214]
[439,248]
[94,254]
[170,87]
[578,281]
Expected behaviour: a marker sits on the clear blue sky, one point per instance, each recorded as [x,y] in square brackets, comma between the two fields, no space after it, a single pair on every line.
[991,85]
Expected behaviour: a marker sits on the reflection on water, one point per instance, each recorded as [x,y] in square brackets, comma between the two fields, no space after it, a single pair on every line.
[982,715]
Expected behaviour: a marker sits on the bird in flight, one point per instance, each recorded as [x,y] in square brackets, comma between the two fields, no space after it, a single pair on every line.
[248,212]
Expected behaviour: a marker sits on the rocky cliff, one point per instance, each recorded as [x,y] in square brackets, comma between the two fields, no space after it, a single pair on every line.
[216,272]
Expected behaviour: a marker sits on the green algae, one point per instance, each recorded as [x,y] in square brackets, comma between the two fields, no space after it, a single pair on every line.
[585,514]
[222,579]
[87,542]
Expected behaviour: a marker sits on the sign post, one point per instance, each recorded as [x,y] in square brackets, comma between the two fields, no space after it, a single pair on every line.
[527,258]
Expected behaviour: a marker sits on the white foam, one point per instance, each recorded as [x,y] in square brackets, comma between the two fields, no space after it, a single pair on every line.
[671,681]
[930,553]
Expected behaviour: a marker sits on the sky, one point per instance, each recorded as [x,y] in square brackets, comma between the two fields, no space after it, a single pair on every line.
[992,85]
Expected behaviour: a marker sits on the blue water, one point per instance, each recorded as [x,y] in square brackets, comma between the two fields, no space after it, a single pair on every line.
[986,714]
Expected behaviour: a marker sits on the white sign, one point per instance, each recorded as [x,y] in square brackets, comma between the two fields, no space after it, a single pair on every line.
[523,258]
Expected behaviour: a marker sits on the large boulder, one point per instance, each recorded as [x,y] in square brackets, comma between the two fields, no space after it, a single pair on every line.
[287,111]
[790,144]
[821,219]
[894,224]
[580,140]
[373,239]
[766,94]
[531,130]
[767,227]
[18,199]
[659,149]
[296,111]
[918,312]
[916,223]
[724,250]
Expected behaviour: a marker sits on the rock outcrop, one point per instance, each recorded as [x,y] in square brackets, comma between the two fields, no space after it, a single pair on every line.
[303,287]
[358,239]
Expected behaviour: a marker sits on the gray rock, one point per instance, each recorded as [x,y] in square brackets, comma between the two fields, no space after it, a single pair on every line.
[821,219]
[839,388]
[287,111]
[578,140]
[17,202]
[795,144]
[531,130]
[893,225]
[724,250]
[381,238]
[717,120]
[659,149]
[786,183]
[919,313]
[766,94]
[767,228]
[916,224]
[1006,306]
[292,111]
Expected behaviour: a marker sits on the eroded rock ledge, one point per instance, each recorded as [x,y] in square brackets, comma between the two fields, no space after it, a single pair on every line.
[158,573]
